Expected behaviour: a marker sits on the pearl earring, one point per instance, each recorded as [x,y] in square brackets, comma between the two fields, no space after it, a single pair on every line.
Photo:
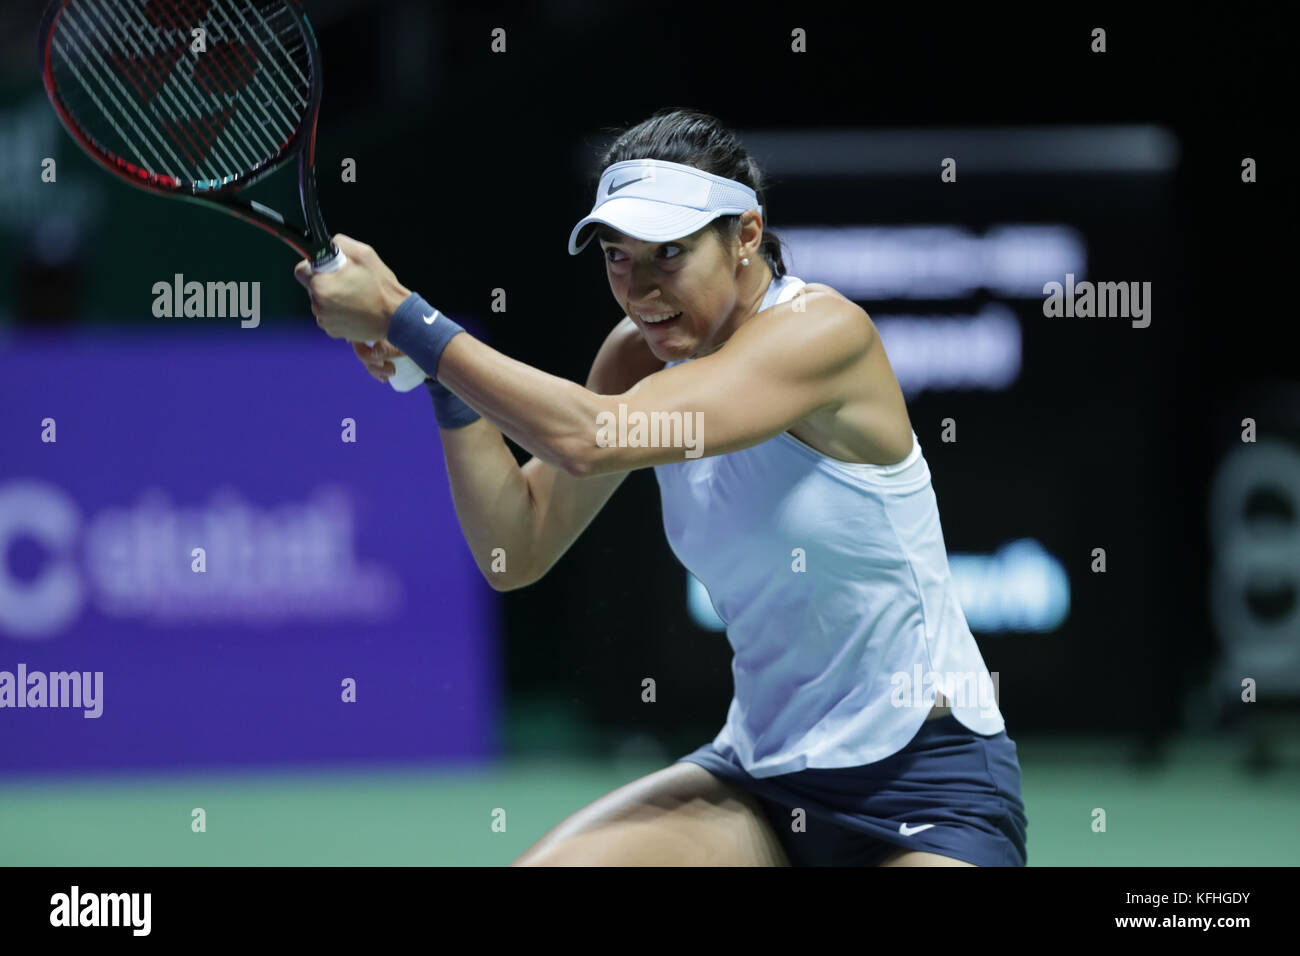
[744,262]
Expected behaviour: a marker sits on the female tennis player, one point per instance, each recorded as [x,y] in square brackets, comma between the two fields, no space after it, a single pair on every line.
[805,507]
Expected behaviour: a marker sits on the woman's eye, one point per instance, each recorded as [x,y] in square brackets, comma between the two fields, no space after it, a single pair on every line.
[613,254]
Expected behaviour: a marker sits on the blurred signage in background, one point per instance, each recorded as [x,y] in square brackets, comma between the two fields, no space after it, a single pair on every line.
[1254,518]
[323,560]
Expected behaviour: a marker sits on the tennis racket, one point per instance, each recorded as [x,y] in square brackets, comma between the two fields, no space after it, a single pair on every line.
[131,85]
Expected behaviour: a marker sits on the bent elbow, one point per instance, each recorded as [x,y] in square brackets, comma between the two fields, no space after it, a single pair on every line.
[578,460]
[501,581]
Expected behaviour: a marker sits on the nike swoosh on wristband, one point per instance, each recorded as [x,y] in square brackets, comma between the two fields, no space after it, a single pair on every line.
[908,831]
[428,319]
[615,188]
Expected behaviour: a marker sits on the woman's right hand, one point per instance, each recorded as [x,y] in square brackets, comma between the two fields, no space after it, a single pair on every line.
[378,358]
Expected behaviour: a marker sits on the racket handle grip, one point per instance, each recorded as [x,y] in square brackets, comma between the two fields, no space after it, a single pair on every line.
[408,374]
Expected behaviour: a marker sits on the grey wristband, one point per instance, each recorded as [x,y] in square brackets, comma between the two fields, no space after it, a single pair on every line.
[422,332]
[450,411]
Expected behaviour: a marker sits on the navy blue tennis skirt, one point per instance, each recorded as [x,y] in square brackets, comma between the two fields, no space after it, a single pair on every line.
[950,791]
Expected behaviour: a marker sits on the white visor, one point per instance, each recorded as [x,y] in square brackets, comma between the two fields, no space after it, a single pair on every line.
[654,200]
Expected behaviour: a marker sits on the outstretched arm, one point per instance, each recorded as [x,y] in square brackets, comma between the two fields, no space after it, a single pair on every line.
[775,370]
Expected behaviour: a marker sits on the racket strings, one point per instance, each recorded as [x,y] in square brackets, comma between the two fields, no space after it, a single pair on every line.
[147,62]
[176,14]
[125,74]
[143,142]
[190,126]
[226,58]
[147,72]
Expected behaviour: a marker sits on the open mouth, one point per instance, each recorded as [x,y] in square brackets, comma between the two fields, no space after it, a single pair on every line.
[661,320]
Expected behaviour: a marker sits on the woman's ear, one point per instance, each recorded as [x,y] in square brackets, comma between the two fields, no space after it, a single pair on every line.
[750,234]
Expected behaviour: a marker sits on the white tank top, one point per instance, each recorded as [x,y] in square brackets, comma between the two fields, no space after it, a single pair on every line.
[833,581]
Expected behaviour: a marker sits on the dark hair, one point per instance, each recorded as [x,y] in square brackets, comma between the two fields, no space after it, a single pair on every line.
[697,139]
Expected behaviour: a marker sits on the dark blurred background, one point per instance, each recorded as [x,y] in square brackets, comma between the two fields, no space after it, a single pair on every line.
[1073,434]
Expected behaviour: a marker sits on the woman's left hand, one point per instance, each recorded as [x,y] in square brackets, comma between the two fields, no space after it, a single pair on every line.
[356,302]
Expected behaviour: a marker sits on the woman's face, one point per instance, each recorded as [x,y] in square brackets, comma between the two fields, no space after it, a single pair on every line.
[692,279]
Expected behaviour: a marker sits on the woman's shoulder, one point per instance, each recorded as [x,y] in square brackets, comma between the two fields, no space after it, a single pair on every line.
[844,312]
[821,310]
[820,288]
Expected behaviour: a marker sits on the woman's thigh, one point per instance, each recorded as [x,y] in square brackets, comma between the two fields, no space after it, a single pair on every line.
[679,816]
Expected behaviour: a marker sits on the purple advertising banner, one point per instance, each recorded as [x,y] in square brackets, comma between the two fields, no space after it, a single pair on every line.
[230,549]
